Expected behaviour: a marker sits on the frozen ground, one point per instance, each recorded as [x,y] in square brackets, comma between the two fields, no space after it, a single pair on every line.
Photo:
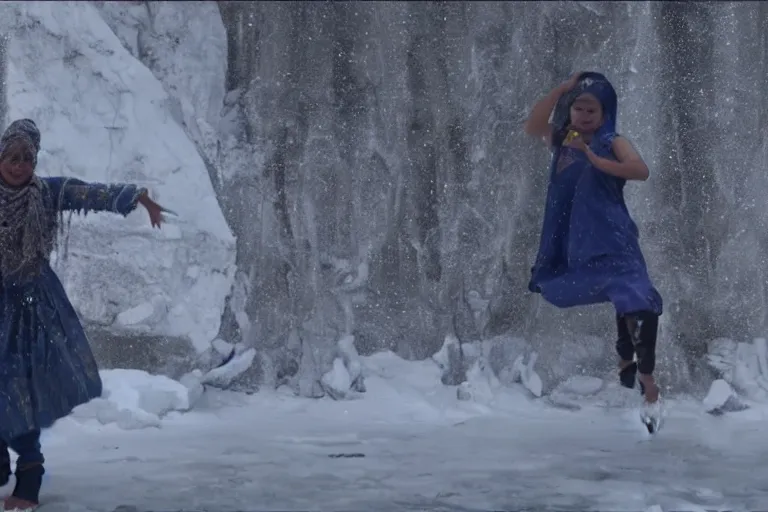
[422,450]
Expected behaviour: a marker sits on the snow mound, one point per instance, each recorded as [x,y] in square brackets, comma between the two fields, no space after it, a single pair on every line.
[134,399]
[413,391]
[345,378]
[570,393]
[481,385]
[105,117]
[337,381]
[450,360]
[412,387]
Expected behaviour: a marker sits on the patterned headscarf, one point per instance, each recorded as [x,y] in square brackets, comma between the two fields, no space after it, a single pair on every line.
[22,128]
[27,234]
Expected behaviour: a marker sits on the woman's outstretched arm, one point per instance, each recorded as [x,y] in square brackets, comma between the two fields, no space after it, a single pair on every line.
[72,194]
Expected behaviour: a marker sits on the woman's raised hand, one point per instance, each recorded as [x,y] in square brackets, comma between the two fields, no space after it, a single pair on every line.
[571,82]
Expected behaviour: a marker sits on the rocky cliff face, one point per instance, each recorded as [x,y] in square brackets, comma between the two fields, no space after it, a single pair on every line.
[369,159]
[393,194]
[152,297]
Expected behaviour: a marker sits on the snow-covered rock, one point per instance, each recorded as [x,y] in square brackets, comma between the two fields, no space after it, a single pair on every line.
[104,116]
[337,381]
[502,351]
[744,366]
[572,392]
[222,376]
[227,372]
[193,382]
[481,385]
[352,362]
[223,348]
[216,355]
[719,393]
[134,399]
[528,376]
[185,45]
[450,360]
[721,399]
[345,378]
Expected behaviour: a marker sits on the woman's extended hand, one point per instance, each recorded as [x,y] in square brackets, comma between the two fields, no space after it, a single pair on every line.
[154,210]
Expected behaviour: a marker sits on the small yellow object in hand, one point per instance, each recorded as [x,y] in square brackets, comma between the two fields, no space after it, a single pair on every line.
[572,134]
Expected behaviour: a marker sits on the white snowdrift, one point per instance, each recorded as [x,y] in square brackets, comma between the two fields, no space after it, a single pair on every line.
[105,117]
[134,399]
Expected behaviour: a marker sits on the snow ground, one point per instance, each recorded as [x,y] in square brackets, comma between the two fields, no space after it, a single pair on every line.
[423,450]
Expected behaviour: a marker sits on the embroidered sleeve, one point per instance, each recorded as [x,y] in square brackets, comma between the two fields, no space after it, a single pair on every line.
[71,194]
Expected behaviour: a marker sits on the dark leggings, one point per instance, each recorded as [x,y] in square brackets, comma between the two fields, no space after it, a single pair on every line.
[29,465]
[641,342]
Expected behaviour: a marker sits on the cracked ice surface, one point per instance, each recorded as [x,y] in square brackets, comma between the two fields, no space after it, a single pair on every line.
[423,450]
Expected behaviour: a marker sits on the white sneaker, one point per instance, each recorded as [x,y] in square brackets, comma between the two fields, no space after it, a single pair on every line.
[651,415]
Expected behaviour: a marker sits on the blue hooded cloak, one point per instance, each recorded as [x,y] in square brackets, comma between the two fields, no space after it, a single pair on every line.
[589,250]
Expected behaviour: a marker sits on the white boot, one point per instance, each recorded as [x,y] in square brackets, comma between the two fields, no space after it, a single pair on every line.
[651,415]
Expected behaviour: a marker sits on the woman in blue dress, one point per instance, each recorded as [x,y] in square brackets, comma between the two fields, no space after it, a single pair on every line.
[589,251]
[46,364]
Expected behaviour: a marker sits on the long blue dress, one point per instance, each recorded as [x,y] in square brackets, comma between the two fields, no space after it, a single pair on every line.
[46,364]
[589,250]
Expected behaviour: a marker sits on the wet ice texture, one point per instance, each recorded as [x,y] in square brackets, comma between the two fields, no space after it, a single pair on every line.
[423,450]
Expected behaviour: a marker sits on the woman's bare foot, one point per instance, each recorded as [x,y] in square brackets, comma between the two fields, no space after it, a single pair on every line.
[651,389]
[13,503]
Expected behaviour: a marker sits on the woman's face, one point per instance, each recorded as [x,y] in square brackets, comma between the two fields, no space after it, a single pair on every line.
[586,113]
[17,164]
